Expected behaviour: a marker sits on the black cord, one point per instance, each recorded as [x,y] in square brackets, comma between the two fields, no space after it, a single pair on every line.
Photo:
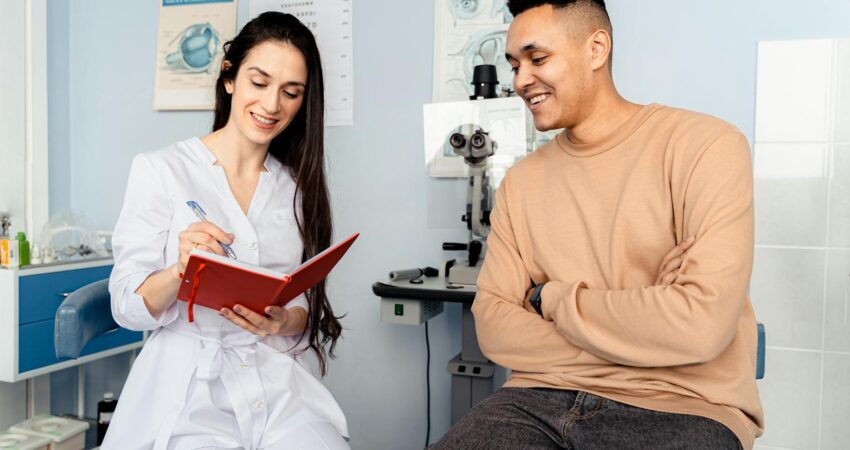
[428,386]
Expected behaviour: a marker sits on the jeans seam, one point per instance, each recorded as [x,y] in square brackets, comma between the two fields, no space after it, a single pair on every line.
[570,417]
[565,438]
[573,412]
[596,409]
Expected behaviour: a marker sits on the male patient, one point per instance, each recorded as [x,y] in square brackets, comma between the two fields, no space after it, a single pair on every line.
[615,281]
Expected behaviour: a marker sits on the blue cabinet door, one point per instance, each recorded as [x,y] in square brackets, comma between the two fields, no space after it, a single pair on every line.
[35,346]
[39,296]
[36,350]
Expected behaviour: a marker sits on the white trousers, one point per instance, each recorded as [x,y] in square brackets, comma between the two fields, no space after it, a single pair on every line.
[312,436]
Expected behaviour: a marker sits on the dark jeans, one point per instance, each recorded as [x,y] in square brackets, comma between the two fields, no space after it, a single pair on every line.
[519,418]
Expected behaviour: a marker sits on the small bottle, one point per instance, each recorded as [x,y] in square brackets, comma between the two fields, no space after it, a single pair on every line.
[12,262]
[47,255]
[4,250]
[5,223]
[23,249]
[105,408]
[35,257]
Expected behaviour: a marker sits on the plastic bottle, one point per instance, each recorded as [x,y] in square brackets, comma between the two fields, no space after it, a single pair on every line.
[105,408]
[5,223]
[12,260]
[35,255]
[4,250]
[23,249]
[47,255]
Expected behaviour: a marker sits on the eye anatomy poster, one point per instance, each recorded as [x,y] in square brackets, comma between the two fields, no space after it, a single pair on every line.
[468,33]
[331,24]
[189,51]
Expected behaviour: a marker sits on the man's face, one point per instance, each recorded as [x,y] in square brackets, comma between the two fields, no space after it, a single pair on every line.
[551,70]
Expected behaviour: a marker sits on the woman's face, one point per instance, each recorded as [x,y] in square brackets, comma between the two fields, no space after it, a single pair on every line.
[268,90]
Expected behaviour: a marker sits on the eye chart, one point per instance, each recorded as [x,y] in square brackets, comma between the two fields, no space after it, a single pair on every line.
[331,23]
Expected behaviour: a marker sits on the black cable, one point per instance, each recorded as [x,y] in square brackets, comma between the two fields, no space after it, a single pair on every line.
[428,386]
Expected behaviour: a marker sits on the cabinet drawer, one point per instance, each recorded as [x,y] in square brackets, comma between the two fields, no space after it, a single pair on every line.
[36,350]
[39,296]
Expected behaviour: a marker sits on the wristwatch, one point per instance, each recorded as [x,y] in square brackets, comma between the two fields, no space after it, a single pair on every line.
[535,299]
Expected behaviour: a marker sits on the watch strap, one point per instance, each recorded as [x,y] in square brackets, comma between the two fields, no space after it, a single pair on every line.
[535,300]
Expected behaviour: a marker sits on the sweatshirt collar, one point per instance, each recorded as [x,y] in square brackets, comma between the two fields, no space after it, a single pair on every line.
[613,139]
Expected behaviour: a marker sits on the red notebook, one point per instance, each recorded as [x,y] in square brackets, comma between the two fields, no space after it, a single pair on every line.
[216,281]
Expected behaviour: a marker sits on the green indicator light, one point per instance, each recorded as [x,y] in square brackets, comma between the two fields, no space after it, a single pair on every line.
[399,310]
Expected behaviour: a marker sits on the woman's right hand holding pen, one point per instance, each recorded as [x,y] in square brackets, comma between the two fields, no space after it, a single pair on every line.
[160,289]
[202,236]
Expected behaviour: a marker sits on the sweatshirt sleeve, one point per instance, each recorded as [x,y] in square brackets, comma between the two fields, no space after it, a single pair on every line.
[138,246]
[508,334]
[694,319]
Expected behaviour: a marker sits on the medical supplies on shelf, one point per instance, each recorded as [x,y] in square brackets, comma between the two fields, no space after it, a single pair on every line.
[64,433]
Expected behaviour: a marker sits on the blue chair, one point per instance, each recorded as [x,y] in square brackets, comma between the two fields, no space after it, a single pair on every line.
[84,315]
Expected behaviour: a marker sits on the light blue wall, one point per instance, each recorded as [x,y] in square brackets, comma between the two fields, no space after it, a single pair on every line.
[112,46]
[701,55]
[693,54]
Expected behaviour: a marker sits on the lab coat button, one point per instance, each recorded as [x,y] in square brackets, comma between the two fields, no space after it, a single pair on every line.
[253,245]
[259,405]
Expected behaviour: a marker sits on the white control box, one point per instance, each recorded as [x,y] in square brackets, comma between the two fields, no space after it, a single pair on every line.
[408,312]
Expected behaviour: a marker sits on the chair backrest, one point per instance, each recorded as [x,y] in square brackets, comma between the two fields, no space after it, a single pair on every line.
[85,314]
[760,352]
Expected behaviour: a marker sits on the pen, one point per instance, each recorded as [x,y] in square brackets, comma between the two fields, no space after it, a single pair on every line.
[203,216]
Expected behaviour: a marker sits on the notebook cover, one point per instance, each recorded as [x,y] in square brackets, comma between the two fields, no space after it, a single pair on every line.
[224,283]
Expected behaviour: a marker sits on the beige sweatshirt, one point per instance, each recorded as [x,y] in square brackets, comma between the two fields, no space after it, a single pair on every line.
[593,222]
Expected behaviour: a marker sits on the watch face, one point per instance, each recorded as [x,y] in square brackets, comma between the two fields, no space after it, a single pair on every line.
[535,300]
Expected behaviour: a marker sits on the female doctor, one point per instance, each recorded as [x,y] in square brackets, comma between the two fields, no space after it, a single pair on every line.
[232,379]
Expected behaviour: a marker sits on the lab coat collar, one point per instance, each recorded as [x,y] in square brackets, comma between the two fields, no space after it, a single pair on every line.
[271,164]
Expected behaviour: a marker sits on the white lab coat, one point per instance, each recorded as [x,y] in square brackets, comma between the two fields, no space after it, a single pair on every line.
[207,383]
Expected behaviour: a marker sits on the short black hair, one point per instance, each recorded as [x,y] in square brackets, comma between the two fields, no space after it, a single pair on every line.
[591,10]
[518,6]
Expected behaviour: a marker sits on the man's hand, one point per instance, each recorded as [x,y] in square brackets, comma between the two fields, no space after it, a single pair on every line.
[277,321]
[671,265]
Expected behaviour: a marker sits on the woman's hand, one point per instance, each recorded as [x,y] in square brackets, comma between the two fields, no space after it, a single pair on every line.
[276,322]
[671,265]
[160,289]
[203,236]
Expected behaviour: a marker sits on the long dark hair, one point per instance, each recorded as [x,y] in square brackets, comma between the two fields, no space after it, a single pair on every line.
[300,148]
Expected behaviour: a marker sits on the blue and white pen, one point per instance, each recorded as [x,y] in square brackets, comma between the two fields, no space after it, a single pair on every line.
[203,216]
